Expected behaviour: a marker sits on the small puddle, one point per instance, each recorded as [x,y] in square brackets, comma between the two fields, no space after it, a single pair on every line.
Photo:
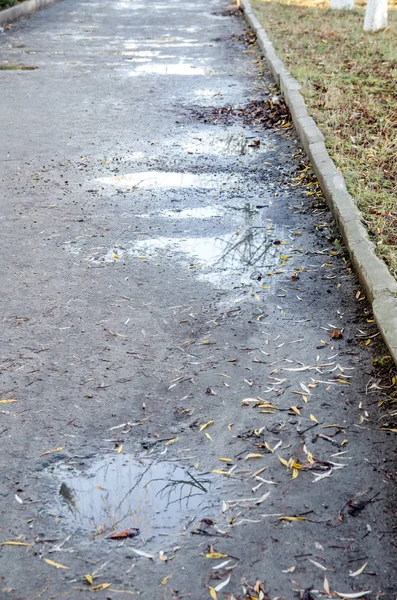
[170,69]
[118,493]
[167,179]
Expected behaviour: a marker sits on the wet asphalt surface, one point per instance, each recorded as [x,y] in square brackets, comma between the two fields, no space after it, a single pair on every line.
[169,283]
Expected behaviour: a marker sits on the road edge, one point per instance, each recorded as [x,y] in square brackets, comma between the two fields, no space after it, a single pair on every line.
[21,10]
[378,283]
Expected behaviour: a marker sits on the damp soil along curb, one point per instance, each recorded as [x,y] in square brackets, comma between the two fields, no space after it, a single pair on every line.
[22,9]
[380,286]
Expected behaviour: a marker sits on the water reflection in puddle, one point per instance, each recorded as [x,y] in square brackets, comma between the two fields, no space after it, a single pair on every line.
[119,493]
[246,258]
[166,179]
[233,142]
[170,69]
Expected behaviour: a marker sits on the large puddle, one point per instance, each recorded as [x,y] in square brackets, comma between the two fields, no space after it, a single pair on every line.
[118,493]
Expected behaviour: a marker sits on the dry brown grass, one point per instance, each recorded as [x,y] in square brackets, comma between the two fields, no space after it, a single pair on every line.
[349,81]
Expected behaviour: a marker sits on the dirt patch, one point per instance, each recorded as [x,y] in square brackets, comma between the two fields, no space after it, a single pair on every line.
[271,113]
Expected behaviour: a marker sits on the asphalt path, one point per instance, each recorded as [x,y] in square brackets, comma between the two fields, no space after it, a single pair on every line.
[186,355]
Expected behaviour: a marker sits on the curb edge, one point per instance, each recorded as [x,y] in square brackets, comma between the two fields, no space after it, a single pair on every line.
[378,283]
[20,10]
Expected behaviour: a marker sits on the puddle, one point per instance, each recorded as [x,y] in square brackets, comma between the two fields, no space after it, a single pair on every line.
[119,493]
[165,179]
[170,69]
[200,212]
[233,142]
[245,258]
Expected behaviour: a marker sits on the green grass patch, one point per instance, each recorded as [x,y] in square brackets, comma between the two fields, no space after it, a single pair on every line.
[7,3]
[349,82]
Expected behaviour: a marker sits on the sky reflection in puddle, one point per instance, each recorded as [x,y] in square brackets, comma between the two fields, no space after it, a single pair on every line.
[166,179]
[118,493]
[170,69]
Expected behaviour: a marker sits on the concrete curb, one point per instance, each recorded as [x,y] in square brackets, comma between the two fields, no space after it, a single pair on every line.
[379,285]
[21,10]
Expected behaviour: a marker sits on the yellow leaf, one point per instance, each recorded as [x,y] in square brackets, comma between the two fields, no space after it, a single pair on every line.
[164,581]
[202,427]
[15,544]
[283,461]
[296,465]
[367,342]
[268,447]
[253,455]
[295,409]
[120,449]
[208,435]
[295,473]
[55,564]
[344,442]
[310,458]
[52,450]
[219,472]
[100,487]
[7,401]
[101,586]
[212,592]
[287,518]
[171,441]
[229,460]
[115,255]
[304,398]
[216,555]
[313,418]
[88,579]
[230,426]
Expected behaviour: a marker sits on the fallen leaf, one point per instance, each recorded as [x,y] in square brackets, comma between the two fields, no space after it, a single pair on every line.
[295,409]
[212,592]
[288,518]
[289,570]
[101,586]
[228,460]
[215,555]
[121,535]
[142,553]
[202,427]
[172,441]
[15,544]
[223,584]
[354,595]
[326,586]
[52,450]
[219,472]
[359,571]
[336,333]
[55,564]
[7,401]
[313,418]
[283,461]
[208,435]
[120,449]
[88,579]
[167,578]
[253,455]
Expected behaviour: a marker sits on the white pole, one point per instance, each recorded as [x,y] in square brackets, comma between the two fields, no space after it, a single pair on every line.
[375,15]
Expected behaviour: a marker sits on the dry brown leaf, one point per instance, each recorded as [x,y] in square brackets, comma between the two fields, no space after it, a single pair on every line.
[336,333]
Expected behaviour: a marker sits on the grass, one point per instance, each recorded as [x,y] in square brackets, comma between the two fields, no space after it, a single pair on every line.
[349,82]
[7,3]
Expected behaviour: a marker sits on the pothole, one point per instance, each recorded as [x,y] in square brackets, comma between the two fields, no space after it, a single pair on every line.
[142,496]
